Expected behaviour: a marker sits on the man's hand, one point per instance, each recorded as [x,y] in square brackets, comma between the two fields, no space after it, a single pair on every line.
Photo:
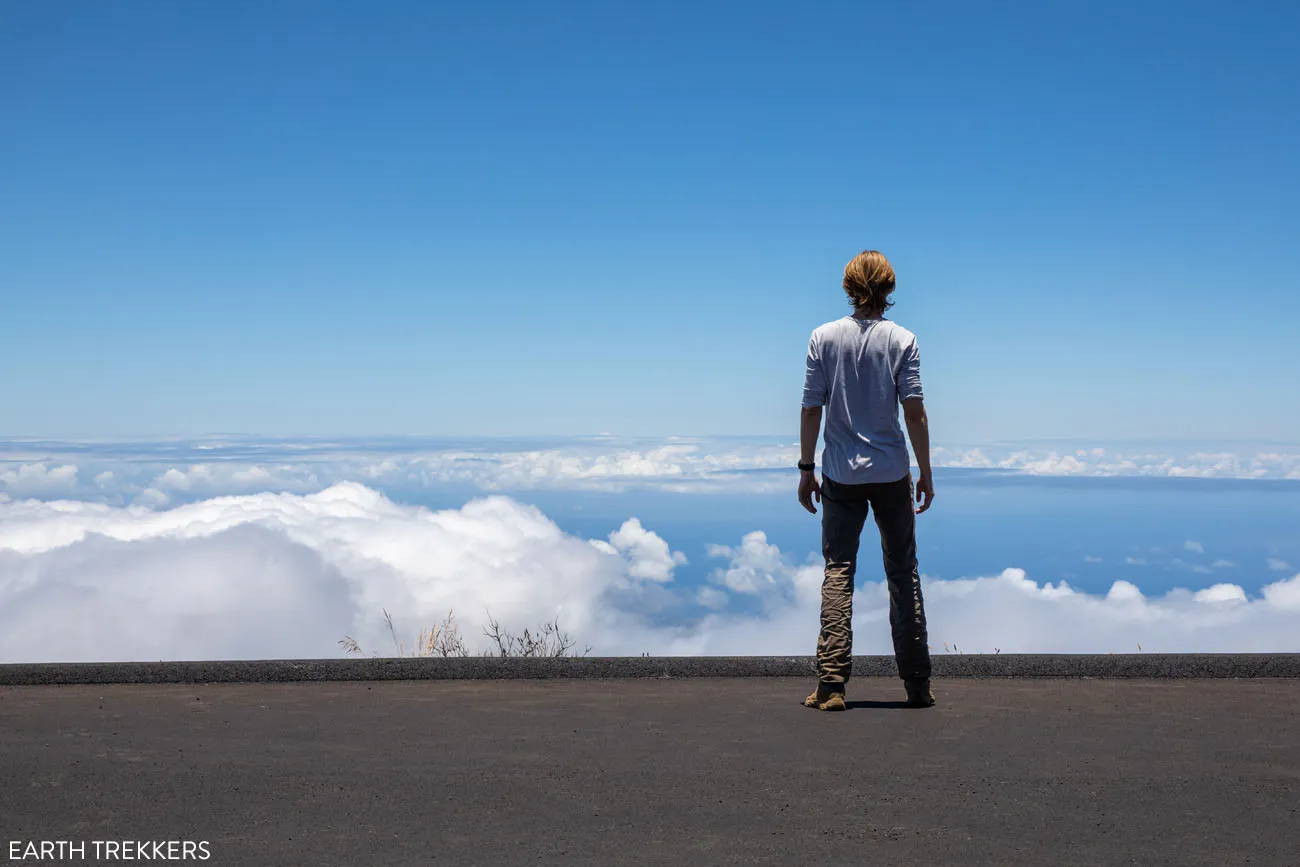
[808,487]
[924,485]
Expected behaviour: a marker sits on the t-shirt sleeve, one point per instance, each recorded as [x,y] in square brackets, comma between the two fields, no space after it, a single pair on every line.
[814,378]
[908,379]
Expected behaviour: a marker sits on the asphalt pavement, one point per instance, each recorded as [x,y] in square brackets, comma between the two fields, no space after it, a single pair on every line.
[1055,771]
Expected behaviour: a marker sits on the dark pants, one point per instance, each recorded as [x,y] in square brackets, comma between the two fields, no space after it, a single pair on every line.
[844,512]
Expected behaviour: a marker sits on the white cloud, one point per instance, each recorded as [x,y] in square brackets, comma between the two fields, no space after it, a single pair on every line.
[248,478]
[757,568]
[188,470]
[711,597]
[1189,545]
[37,479]
[944,457]
[1091,559]
[1101,462]
[1276,565]
[1227,593]
[175,479]
[1135,561]
[1051,465]
[1209,466]
[647,555]
[279,574]
[285,575]
[1123,591]
[151,497]
[1222,564]
[1284,595]
[1013,613]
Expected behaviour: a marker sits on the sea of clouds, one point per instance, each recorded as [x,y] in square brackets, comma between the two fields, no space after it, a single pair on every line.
[159,473]
[161,560]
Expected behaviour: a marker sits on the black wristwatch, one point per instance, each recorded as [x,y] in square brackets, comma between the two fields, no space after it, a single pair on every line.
[807,468]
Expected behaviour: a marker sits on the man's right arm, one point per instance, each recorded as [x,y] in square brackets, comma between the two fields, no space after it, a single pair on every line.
[918,431]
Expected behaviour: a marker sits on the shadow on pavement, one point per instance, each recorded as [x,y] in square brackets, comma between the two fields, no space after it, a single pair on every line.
[876,705]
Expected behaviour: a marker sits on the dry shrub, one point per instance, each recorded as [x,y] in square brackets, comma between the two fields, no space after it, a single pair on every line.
[445,640]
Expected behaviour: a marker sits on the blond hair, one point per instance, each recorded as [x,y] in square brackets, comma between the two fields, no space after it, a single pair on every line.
[868,280]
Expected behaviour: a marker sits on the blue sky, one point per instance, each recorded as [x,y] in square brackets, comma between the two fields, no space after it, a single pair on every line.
[523,219]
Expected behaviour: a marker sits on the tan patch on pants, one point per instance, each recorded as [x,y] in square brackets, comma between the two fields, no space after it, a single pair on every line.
[835,642]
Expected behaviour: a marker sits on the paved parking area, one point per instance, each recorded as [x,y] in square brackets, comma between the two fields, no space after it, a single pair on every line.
[662,771]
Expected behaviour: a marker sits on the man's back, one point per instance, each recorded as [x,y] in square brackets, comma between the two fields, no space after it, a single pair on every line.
[860,370]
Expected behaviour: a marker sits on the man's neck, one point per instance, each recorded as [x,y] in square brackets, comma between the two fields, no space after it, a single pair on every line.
[859,313]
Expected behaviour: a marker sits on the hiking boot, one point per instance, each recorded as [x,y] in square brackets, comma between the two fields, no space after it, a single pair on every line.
[826,697]
[835,702]
[919,693]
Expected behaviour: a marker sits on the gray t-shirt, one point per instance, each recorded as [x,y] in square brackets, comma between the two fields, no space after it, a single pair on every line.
[861,370]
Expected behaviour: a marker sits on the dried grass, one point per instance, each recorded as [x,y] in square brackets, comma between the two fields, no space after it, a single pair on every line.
[445,640]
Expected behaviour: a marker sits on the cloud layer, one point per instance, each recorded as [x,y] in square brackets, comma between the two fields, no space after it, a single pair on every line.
[276,575]
[165,472]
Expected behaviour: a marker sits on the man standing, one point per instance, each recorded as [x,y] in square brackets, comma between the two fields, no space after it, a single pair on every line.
[861,368]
